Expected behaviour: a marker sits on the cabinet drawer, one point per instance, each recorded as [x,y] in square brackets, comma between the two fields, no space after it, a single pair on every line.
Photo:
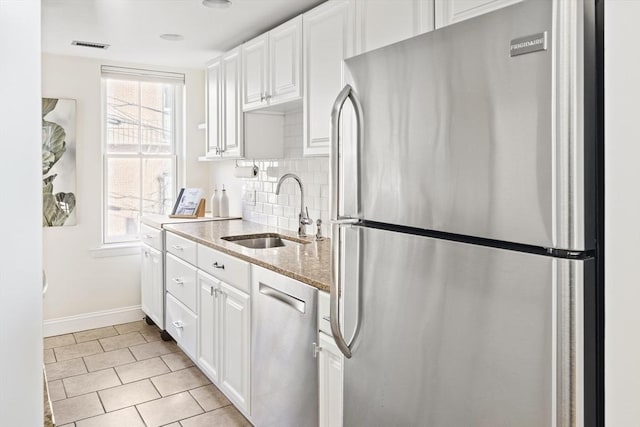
[224,267]
[324,324]
[151,236]
[181,281]
[182,325]
[182,248]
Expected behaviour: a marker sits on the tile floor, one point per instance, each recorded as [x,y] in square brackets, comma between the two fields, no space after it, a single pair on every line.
[126,376]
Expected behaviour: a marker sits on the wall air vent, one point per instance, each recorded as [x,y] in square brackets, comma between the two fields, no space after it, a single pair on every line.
[90,44]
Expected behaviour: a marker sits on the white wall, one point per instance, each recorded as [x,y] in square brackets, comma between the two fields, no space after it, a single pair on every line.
[622,213]
[80,281]
[20,216]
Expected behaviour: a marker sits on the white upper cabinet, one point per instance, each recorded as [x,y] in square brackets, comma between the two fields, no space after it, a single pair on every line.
[285,45]
[232,142]
[272,62]
[327,40]
[224,106]
[452,11]
[214,103]
[255,63]
[379,23]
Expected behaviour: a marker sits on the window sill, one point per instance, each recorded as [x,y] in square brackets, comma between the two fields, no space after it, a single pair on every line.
[116,249]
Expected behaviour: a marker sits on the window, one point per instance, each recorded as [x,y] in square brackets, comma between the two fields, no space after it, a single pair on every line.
[142,126]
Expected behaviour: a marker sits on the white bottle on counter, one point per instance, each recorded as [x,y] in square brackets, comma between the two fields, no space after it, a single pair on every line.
[224,203]
[215,203]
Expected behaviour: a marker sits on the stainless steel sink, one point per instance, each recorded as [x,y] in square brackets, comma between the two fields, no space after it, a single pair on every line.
[264,241]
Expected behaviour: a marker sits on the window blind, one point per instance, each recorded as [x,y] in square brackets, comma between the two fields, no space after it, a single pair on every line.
[125,73]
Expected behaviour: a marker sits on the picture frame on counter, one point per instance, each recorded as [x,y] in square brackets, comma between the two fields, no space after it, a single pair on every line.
[189,204]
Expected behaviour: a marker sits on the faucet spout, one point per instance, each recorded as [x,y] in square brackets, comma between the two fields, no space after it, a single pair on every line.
[303,217]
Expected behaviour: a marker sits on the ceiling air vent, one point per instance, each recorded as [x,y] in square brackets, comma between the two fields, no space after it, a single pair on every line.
[90,44]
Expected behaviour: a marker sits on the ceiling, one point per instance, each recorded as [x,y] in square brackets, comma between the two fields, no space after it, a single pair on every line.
[132,28]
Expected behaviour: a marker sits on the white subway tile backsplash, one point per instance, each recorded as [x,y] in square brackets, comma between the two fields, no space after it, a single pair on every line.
[283,222]
[324,191]
[313,190]
[320,178]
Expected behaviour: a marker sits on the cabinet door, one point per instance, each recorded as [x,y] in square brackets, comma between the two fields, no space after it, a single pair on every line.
[452,11]
[380,23]
[235,339]
[285,45]
[255,65]
[208,324]
[327,40]
[232,143]
[152,292]
[330,362]
[214,109]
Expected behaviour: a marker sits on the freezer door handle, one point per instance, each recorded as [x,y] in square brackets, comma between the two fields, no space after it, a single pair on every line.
[336,148]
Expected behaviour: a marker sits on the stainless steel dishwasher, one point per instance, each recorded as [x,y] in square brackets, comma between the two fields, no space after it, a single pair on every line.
[284,375]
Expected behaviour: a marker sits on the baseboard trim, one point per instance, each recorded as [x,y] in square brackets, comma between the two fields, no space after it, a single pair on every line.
[98,319]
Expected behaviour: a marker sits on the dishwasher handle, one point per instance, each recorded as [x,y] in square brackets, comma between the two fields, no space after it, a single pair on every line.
[291,301]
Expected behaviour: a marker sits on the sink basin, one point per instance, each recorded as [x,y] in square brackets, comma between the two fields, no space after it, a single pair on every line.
[264,241]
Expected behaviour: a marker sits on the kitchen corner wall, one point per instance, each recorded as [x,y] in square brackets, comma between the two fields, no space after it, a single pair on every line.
[279,210]
[85,280]
[621,211]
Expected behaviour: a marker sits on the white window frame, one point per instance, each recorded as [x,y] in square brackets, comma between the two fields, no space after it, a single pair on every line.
[133,74]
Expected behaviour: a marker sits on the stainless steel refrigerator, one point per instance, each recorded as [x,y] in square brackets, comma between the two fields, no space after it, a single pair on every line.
[464,223]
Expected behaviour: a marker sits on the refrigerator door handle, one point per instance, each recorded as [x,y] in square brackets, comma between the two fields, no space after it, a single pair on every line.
[337,220]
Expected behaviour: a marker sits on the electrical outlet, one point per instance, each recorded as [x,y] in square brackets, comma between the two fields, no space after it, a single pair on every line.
[249,196]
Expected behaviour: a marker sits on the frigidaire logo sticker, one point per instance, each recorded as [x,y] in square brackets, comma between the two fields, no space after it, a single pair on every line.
[528,44]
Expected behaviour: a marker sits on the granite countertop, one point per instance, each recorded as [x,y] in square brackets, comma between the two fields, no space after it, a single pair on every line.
[159,221]
[308,263]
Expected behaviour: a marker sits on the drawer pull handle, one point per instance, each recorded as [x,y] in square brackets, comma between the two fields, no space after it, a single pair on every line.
[216,265]
[177,247]
[178,280]
[327,318]
[178,324]
[146,254]
[148,236]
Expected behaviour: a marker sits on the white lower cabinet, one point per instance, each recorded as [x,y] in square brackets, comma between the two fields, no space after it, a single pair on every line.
[235,339]
[182,325]
[152,285]
[208,353]
[330,364]
[224,338]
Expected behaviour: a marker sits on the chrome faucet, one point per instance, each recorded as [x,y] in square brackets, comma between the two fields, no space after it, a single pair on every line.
[303,216]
